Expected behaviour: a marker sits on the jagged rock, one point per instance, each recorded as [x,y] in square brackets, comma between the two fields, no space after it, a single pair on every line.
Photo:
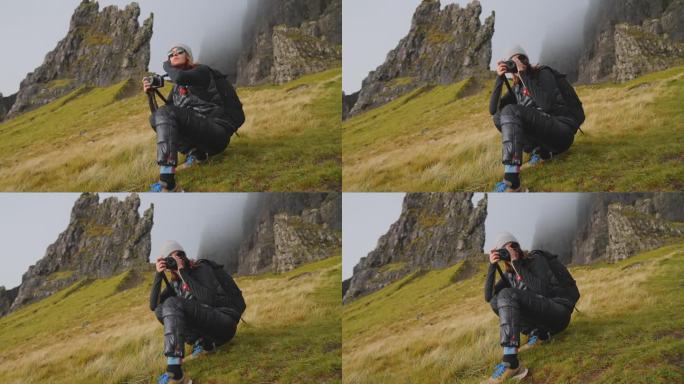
[7,297]
[348,102]
[101,48]
[599,59]
[434,230]
[299,51]
[634,229]
[302,239]
[101,240]
[308,29]
[598,238]
[6,104]
[442,47]
[259,250]
[641,50]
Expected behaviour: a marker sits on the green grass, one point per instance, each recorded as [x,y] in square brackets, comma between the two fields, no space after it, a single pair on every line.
[425,328]
[103,331]
[99,140]
[442,139]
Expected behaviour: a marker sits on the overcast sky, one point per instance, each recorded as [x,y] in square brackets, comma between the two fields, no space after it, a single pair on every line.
[32,28]
[367,216]
[374,27]
[29,222]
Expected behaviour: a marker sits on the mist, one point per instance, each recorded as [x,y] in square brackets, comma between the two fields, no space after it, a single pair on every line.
[557,226]
[223,232]
[564,42]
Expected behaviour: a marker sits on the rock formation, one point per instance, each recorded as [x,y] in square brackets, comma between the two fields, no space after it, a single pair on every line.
[7,297]
[101,240]
[6,104]
[101,48]
[619,225]
[290,38]
[442,47]
[434,230]
[285,230]
[618,31]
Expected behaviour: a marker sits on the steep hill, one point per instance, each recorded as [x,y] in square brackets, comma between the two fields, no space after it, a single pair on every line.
[442,139]
[435,327]
[102,331]
[97,139]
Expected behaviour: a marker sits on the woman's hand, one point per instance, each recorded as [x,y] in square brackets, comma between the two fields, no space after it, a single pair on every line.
[161,264]
[494,256]
[501,68]
[146,84]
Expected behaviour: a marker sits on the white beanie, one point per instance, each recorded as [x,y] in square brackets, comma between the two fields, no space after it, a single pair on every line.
[516,50]
[169,247]
[184,46]
[504,238]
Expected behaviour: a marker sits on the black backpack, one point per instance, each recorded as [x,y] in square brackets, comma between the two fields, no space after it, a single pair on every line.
[564,286]
[570,97]
[230,99]
[228,285]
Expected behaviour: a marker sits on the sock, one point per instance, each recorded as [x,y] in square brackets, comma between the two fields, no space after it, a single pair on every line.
[513,178]
[511,357]
[174,367]
[168,175]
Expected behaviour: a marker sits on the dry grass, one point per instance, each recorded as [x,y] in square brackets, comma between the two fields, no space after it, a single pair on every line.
[430,331]
[432,140]
[99,335]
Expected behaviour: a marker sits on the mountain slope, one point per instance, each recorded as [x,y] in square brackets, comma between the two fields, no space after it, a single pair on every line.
[100,140]
[443,139]
[102,331]
[436,327]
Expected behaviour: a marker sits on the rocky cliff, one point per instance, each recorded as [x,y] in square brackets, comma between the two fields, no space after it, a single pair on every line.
[290,38]
[619,32]
[619,225]
[434,230]
[7,297]
[442,47]
[101,48]
[6,104]
[101,240]
[285,230]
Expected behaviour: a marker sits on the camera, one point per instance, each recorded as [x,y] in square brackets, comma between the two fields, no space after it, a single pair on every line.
[171,263]
[511,67]
[504,255]
[156,81]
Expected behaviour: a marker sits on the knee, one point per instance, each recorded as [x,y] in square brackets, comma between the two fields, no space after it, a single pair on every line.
[497,121]
[505,297]
[164,114]
[510,114]
[172,305]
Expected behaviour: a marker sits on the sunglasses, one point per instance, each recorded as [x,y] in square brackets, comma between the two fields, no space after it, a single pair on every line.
[179,51]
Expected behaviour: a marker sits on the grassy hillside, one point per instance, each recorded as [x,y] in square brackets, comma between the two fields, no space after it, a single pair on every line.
[437,328]
[101,332]
[443,139]
[100,140]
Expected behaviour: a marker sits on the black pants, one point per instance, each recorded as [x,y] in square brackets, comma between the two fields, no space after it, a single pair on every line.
[522,311]
[182,129]
[525,128]
[186,320]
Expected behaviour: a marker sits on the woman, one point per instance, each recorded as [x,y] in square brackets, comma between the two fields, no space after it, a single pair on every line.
[527,300]
[532,117]
[201,305]
[196,120]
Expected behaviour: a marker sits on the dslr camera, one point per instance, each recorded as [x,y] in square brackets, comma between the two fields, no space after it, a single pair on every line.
[504,255]
[156,81]
[171,263]
[511,67]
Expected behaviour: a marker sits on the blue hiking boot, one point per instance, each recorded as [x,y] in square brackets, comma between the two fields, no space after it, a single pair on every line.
[503,372]
[194,158]
[166,378]
[162,187]
[506,186]
[534,340]
[198,349]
